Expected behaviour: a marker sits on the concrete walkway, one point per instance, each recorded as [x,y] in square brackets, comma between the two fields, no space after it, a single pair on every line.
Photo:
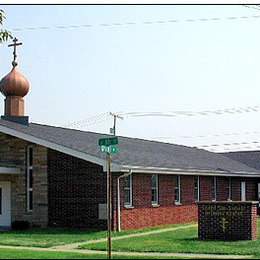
[72,248]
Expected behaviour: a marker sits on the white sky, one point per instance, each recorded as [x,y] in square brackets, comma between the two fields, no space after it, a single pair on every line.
[153,65]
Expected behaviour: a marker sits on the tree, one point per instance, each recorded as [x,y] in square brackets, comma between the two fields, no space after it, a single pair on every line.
[4,34]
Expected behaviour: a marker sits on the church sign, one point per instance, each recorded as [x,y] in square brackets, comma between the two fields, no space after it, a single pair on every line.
[227,220]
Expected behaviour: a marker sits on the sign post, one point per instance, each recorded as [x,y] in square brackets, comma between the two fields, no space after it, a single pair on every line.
[109,204]
[107,146]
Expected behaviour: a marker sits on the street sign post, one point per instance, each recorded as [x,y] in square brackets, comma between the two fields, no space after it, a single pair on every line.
[107,145]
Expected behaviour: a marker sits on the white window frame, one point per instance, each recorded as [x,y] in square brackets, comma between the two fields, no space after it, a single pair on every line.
[243,191]
[214,186]
[130,190]
[155,188]
[29,189]
[197,189]
[177,189]
[229,189]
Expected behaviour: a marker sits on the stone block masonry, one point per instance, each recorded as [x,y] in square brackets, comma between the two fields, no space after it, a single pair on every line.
[227,220]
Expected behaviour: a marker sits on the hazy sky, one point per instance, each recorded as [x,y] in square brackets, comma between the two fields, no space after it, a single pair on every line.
[146,58]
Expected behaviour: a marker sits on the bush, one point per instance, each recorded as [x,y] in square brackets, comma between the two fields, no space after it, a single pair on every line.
[20,225]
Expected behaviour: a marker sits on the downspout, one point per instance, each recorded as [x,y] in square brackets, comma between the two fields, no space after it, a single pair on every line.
[118,199]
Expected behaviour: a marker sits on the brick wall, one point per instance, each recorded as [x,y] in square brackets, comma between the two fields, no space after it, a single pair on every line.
[227,220]
[76,188]
[13,153]
[143,214]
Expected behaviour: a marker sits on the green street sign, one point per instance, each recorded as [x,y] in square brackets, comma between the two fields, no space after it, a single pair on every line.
[108,141]
[108,149]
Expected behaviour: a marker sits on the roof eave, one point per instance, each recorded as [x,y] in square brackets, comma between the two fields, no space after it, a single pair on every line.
[170,171]
[59,148]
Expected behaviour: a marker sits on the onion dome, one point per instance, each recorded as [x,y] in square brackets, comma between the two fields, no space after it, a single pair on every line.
[14,84]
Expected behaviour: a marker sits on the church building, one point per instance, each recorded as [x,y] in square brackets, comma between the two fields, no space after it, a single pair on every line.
[56,177]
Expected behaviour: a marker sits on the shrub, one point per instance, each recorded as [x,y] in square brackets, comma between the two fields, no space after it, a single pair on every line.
[20,225]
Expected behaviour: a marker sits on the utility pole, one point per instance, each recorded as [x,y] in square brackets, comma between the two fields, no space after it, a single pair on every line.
[113,129]
[109,204]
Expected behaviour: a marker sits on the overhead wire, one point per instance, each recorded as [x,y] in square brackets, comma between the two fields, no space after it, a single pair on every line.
[158,22]
[107,115]
[96,119]
[206,136]
[190,113]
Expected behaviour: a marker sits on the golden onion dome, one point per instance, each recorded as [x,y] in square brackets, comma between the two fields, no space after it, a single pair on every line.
[14,84]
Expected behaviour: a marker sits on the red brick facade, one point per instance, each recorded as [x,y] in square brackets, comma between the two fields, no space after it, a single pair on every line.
[144,214]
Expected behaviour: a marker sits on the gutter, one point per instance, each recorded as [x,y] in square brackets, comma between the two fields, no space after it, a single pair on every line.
[171,171]
[118,199]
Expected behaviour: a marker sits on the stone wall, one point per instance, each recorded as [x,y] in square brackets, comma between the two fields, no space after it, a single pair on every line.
[13,153]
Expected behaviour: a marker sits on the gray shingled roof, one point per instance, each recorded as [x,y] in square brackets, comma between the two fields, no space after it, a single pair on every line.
[250,158]
[131,151]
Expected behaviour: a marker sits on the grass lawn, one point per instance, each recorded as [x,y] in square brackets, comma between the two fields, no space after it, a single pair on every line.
[32,254]
[54,237]
[47,237]
[182,241]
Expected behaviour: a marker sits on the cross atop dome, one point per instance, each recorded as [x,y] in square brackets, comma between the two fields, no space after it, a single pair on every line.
[14,86]
[15,44]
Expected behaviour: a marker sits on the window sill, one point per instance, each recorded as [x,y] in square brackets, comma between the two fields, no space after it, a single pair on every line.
[155,205]
[178,204]
[129,207]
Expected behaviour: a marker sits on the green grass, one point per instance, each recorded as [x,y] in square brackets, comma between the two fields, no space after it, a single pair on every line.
[182,241]
[47,237]
[32,254]
[54,237]
[178,241]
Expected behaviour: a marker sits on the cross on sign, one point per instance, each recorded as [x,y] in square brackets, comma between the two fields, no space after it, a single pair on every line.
[223,223]
[15,44]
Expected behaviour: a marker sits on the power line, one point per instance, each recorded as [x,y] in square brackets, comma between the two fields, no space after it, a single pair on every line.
[205,136]
[117,24]
[229,144]
[190,113]
[256,7]
[90,121]
[100,118]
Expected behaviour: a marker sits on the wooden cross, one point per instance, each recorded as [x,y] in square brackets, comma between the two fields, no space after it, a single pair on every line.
[223,223]
[15,44]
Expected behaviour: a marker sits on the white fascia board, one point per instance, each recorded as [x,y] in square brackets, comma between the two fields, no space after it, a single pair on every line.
[59,148]
[158,170]
[10,170]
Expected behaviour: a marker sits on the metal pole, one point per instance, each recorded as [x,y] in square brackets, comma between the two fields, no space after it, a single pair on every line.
[109,205]
[114,125]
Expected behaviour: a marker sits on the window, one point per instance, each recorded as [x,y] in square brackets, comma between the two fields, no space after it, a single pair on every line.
[177,189]
[214,188]
[30,179]
[229,189]
[243,191]
[154,189]
[128,191]
[197,188]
